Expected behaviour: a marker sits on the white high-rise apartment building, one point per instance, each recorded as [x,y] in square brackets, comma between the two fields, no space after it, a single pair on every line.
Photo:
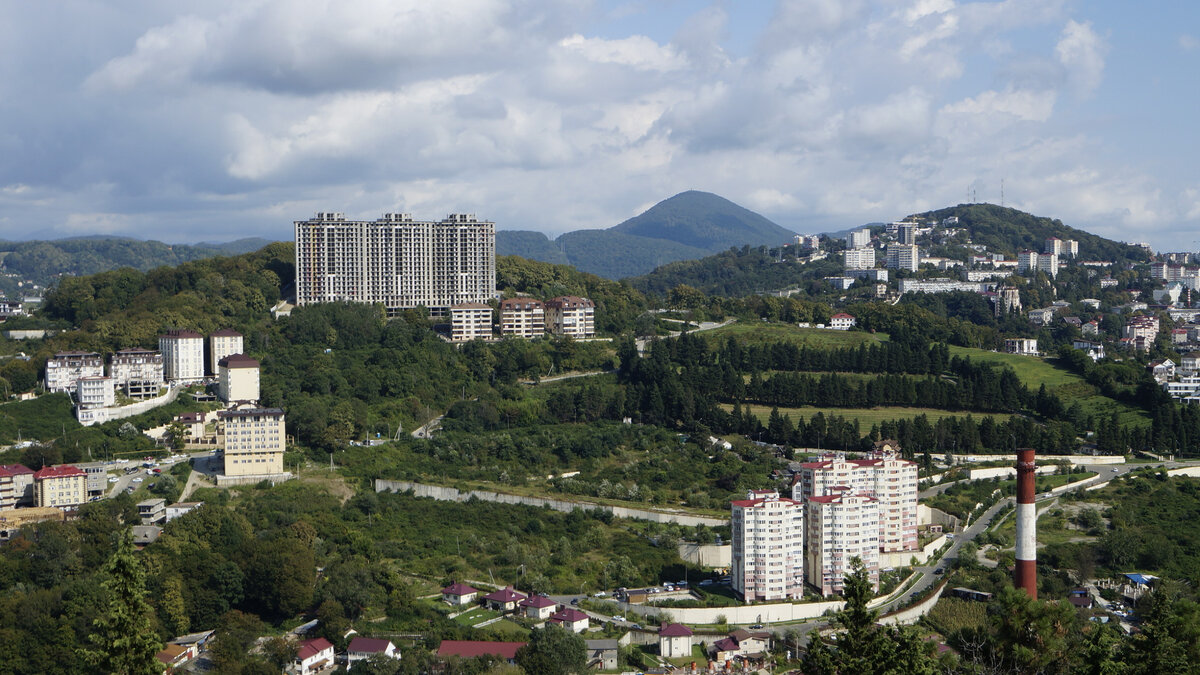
[397,261]
[767,560]
[858,238]
[1026,261]
[522,317]
[254,441]
[1063,248]
[903,257]
[1048,263]
[183,355]
[223,343]
[840,526]
[859,258]
[64,369]
[890,480]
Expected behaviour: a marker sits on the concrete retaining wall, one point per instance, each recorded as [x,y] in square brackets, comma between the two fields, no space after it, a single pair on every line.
[927,515]
[449,494]
[910,615]
[765,613]
[275,478]
[1006,472]
[903,558]
[1191,472]
[1071,486]
[1074,459]
[706,555]
[100,415]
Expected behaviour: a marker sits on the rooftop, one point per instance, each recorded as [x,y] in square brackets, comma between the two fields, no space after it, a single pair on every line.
[469,649]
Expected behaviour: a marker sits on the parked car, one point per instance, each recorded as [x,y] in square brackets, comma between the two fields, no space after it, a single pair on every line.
[939,571]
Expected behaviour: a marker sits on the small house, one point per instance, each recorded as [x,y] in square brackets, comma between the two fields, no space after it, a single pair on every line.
[313,656]
[674,641]
[571,619]
[537,607]
[362,648]
[459,594]
[503,600]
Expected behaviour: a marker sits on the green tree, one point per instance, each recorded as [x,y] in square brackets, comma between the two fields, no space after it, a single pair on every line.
[123,639]
[553,651]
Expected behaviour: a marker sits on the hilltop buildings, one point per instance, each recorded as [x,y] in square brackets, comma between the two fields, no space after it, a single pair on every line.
[222,343]
[397,261]
[183,355]
[522,317]
[137,372]
[571,316]
[254,441]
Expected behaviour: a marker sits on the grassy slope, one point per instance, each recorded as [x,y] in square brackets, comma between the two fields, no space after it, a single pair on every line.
[866,416]
[754,333]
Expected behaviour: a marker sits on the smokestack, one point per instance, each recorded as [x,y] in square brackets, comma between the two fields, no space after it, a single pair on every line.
[1026,572]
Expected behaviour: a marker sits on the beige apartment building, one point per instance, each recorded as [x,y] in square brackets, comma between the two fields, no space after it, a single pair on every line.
[222,343]
[254,441]
[62,486]
[470,321]
[397,261]
[238,379]
[572,316]
[841,525]
[523,318]
[767,556]
[890,480]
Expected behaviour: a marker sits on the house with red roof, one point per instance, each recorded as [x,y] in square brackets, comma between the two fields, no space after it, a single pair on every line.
[571,619]
[741,644]
[470,649]
[674,641]
[538,607]
[63,486]
[313,656]
[173,656]
[841,321]
[362,648]
[504,600]
[457,594]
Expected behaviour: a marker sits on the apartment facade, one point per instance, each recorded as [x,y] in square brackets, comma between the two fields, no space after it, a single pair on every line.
[840,526]
[523,318]
[137,372]
[238,379]
[903,257]
[223,343]
[62,486]
[64,369]
[1027,346]
[767,557]
[572,316]
[858,238]
[397,261]
[254,441]
[859,258]
[470,321]
[183,355]
[95,392]
[16,486]
[884,476]
[1027,261]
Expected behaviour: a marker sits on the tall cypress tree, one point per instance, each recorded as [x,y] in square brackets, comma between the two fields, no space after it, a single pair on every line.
[123,641]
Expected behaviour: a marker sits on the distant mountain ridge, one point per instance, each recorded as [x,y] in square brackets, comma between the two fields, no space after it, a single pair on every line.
[688,226]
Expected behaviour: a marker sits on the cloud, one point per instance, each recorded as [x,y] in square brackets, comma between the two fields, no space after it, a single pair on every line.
[1188,43]
[1081,51]
[637,51]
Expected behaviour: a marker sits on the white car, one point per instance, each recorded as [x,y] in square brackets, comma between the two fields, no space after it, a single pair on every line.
[138,479]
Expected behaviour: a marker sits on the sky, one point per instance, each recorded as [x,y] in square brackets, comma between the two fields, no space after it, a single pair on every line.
[220,119]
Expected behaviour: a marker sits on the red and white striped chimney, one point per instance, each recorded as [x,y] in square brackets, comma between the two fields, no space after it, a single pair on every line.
[1026,572]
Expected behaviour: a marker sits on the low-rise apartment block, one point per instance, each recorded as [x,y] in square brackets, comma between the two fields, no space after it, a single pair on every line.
[859,258]
[254,441]
[572,316]
[62,486]
[470,321]
[64,369]
[137,372]
[523,318]
[1027,346]
[16,486]
[767,557]
[95,392]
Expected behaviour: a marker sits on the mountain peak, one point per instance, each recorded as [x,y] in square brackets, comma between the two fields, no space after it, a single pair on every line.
[704,220]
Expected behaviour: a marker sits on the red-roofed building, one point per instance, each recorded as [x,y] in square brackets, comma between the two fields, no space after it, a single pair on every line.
[840,525]
[741,644]
[523,318]
[63,486]
[890,480]
[313,656]
[841,321]
[16,486]
[173,656]
[674,641]
[459,594]
[767,558]
[504,600]
[538,607]
[570,315]
[362,648]
[469,649]
[571,619]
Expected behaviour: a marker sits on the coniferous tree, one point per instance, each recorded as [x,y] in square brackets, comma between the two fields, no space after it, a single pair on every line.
[123,641]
